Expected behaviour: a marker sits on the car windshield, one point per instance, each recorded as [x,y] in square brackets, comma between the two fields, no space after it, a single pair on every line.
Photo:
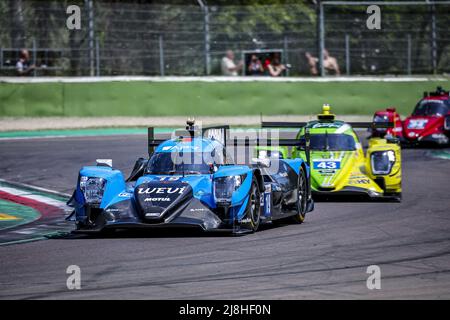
[379,118]
[427,108]
[183,163]
[331,142]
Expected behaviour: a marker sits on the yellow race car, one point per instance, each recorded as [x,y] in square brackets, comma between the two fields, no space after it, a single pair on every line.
[339,165]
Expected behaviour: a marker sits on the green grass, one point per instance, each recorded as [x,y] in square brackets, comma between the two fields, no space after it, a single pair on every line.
[203,98]
[79,132]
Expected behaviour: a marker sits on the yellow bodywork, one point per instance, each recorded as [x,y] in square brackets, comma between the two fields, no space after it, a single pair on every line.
[347,171]
[392,181]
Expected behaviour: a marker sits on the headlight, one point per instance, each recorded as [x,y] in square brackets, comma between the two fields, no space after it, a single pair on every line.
[382,162]
[225,186]
[92,189]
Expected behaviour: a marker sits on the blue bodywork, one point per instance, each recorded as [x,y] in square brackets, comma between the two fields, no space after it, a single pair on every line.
[181,199]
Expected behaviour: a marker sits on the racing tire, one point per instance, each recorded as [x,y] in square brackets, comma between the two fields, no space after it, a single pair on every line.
[302,201]
[253,211]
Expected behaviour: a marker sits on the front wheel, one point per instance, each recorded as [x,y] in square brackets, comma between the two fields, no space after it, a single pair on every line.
[302,197]
[253,212]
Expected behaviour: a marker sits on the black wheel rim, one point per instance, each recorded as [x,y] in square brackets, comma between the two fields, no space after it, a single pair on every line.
[254,205]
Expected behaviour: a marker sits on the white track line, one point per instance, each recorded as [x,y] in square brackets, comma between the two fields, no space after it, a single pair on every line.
[24,185]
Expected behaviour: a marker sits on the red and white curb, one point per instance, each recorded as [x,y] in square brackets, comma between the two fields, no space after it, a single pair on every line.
[30,197]
[52,213]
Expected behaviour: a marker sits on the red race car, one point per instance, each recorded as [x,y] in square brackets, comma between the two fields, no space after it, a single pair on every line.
[389,115]
[429,122]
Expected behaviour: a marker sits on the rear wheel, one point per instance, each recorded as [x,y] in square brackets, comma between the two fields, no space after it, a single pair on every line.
[253,212]
[302,200]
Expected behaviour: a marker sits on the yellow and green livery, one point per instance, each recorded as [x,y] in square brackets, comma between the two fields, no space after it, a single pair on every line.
[339,165]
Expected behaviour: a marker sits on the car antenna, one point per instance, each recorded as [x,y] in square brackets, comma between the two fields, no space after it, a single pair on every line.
[190,126]
[182,167]
[182,162]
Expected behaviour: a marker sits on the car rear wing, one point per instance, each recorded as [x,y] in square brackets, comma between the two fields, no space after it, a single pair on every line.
[292,142]
[220,133]
[275,124]
[371,125]
[247,142]
[439,92]
[299,125]
[152,143]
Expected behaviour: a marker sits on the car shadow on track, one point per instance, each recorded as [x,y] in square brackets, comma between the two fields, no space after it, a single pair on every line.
[354,199]
[161,233]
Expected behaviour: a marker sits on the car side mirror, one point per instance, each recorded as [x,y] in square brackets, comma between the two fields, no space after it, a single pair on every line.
[104,162]
[138,169]
[213,167]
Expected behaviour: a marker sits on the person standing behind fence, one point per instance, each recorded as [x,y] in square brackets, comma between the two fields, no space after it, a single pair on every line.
[312,63]
[229,67]
[23,66]
[330,64]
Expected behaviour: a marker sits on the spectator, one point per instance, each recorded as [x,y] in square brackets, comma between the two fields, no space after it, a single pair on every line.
[23,66]
[312,63]
[229,68]
[329,63]
[255,67]
[275,67]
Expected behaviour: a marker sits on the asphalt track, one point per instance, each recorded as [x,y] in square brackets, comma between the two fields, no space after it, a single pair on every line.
[324,258]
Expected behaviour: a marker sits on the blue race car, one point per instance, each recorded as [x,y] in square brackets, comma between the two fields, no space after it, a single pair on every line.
[191,181]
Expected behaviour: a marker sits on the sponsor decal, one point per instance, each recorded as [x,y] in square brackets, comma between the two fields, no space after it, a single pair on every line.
[187,148]
[199,193]
[152,214]
[431,100]
[197,209]
[327,173]
[328,164]
[161,190]
[156,199]
[360,181]
[417,123]
[326,125]
[172,178]
[267,202]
